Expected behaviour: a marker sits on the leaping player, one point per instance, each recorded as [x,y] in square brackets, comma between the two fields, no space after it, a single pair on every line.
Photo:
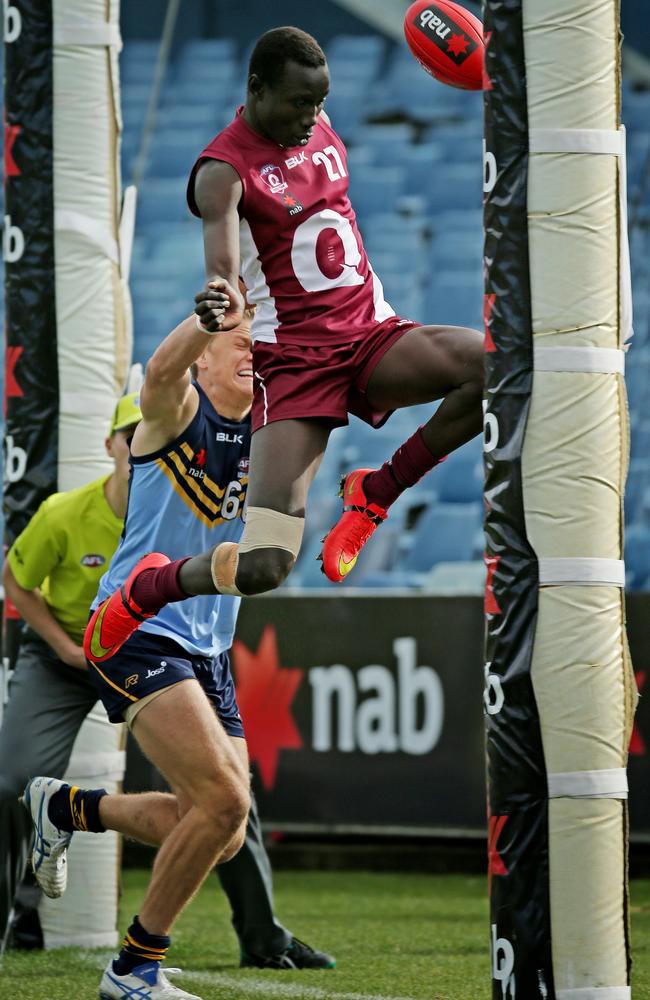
[271,189]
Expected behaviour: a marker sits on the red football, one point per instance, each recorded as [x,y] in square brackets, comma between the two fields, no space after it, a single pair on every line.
[447,41]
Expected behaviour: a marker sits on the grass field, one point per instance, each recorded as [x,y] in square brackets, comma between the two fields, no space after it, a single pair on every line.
[394,937]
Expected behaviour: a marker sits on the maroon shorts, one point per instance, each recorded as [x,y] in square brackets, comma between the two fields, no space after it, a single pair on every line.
[292,381]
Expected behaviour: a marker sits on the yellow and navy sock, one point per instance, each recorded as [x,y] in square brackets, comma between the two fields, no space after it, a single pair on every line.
[73,808]
[139,947]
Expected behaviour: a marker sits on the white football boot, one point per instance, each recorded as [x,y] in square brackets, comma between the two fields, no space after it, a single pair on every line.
[50,844]
[145,982]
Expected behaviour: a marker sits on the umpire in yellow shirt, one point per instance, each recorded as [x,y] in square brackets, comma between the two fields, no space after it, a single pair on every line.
[52,574]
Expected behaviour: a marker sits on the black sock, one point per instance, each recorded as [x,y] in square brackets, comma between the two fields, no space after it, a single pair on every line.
[73,808]
[139,947]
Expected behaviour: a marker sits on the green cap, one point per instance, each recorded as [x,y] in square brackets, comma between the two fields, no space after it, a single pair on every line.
[127,413]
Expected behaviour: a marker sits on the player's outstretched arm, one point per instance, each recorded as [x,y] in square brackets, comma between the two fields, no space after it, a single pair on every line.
[218,191]
[168,400]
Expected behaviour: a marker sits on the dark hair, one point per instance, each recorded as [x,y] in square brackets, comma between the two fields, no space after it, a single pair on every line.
[282,45]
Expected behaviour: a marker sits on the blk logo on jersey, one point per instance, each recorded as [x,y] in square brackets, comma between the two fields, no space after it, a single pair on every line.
[295,161]
[274,178]
[444,33]
[92,560]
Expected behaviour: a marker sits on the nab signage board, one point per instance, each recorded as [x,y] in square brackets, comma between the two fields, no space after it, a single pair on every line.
[364,711]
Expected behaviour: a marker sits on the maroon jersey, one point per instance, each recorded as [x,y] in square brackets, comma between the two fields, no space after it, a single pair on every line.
[302,258]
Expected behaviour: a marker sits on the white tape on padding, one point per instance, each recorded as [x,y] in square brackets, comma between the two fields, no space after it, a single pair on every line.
[576,140]
[91,765]
[96,232]
[610,783]
[601,360]
[86,32]
[596,993]
[585,570]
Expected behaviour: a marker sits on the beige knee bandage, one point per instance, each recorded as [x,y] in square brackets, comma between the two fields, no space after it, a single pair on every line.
[265,529]
[269,529]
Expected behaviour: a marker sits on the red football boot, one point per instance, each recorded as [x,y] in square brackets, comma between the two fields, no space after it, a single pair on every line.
[341,547]
[118,617]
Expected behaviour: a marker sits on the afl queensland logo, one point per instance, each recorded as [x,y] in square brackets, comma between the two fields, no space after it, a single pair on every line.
[274,178]
[242,469]
[92,560]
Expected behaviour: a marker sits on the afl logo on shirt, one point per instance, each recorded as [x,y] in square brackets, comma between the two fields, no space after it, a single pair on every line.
[92,560]
[274,178]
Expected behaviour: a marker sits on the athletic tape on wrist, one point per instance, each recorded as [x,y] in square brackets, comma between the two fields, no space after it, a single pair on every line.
[270,529]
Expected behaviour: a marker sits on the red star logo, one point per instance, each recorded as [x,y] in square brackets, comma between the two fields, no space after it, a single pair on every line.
[487,83]
[488,302]
[637,743]
[457,45]
[289,200]
[495,861]
[200,457]
[11,167]
[265,691]
[11,385]
[490,606]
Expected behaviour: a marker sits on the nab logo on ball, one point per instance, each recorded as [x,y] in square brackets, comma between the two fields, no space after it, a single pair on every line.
[447,41]
[445,34]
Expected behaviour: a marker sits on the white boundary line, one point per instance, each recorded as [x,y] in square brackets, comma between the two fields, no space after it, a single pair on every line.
[265,985]
[261,986]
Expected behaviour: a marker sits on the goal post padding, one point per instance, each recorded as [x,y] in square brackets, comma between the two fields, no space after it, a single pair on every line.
[94,354]
[557,310]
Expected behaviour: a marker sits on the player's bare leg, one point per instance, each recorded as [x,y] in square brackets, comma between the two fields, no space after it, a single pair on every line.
[210,768]
[426,364]
[430,363]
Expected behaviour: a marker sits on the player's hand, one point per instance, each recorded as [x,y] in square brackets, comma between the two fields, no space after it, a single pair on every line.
[219,306]
[74,656]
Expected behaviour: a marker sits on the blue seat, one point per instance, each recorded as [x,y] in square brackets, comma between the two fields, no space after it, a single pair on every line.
[393,225]
[638,482]
[444,533]
[455,298]
[459,220]
[210,50]
[207,76]
[138,62]
[385,140]
[637,555]
[456,185]
[174,155]
[420,163]
[405,296]
[637,377]
[162,200]
[462,251]
[374,189]
[357,48]
[345,109]
[460,477]
[357,73]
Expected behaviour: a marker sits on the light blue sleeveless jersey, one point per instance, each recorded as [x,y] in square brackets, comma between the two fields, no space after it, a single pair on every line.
[183,500]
